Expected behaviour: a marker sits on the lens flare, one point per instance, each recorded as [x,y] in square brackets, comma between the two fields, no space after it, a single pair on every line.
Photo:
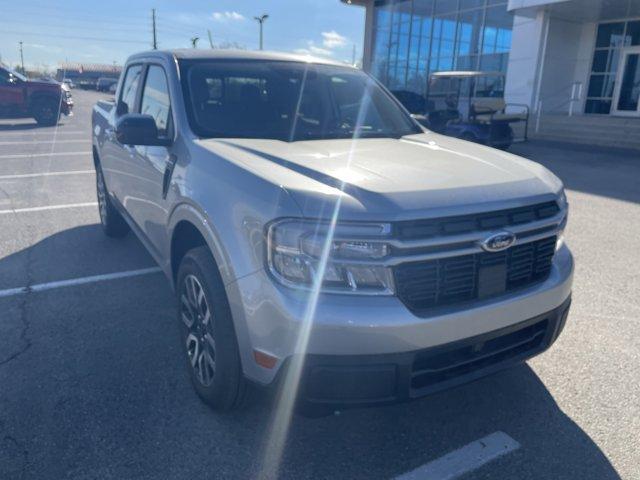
[281,419]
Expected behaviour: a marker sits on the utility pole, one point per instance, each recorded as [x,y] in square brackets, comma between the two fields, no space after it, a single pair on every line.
[24,72]
[194,42]
[153,24]
[353,62]
[210,41]
[261,20]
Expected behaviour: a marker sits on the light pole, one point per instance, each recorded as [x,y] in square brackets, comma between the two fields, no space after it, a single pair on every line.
[261,20]
[22,60]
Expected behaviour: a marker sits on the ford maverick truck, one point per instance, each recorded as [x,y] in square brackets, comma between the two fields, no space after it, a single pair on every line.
[308,224]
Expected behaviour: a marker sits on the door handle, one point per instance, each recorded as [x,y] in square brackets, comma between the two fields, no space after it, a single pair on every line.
[168,174]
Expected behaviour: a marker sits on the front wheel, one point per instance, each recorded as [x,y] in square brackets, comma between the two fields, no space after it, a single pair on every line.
[207,332]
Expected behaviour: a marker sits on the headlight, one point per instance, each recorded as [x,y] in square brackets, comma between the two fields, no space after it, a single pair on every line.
[354,265]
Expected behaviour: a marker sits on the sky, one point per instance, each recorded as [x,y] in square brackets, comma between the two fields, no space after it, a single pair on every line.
[109,31]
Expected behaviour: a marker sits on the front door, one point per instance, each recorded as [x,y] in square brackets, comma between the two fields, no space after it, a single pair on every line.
[148,183]
[626,97]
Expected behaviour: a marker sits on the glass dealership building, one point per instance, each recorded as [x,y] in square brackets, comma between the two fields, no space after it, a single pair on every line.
[558,56]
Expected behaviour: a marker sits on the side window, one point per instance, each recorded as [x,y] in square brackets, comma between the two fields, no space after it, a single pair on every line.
[155,99]
[129,89]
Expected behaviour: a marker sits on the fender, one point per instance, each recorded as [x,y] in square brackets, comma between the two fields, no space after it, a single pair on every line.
[188,212]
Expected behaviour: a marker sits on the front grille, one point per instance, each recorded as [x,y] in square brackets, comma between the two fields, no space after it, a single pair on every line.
[445,281]
[431,368]
[414,229]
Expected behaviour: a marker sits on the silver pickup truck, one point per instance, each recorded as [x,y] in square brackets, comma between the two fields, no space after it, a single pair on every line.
[317,236]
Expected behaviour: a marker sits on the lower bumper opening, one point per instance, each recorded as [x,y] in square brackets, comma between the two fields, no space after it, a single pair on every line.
[362,380]
[430,369]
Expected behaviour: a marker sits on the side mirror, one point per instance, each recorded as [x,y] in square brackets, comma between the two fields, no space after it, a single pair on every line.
[138,129]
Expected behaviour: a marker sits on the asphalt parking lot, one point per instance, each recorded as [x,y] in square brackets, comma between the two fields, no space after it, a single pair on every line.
[93,384]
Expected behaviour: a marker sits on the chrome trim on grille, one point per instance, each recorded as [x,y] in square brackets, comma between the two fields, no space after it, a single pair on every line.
[464,244]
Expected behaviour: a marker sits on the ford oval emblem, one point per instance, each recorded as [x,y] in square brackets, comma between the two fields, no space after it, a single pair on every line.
[498,242]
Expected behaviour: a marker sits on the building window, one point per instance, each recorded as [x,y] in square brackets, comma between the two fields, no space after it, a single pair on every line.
[610,39]
[415,38]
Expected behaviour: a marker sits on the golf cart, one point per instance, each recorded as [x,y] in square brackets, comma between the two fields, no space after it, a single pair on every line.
[470,105]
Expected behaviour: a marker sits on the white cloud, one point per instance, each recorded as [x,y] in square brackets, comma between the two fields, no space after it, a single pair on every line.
[313,49]
[225,16]
[333,39]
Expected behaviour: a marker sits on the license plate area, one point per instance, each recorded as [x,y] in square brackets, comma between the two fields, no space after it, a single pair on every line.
[492,280]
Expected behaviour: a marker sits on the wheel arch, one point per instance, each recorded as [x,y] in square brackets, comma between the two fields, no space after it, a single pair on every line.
[185,237]
[96,156]
[189,229]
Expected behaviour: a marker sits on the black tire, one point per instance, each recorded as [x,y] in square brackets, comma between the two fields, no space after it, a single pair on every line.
[46,112]
[111,220]
[210,345]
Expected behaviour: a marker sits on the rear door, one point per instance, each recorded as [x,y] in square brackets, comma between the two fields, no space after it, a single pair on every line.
[151,165]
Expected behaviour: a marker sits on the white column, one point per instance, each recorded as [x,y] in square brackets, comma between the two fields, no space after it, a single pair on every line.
[525,68]
[368,37]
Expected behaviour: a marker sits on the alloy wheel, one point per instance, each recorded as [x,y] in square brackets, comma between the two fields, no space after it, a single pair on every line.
[102,198]
[199,342]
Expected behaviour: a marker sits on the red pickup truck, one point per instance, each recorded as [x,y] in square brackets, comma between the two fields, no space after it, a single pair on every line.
[21,97]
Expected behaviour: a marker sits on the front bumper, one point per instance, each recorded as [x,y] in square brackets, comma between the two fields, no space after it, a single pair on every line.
[364,380]
[268,319]
[66,107]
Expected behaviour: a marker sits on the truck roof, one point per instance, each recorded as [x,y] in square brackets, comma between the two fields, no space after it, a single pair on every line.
[229,54]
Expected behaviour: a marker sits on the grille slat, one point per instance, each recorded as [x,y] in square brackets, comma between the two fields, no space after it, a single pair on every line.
[433,283]
[414,229]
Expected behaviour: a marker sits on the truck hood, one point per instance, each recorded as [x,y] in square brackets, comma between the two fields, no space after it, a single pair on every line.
[417,176]
[45,84]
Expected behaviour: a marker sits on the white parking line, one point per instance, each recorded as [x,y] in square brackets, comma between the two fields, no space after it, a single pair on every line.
[33,142]
[45,174]
[40,287]
[465,459]
[37,132]
[48,207]
[57,154]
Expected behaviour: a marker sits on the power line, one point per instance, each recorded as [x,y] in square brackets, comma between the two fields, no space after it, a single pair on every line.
[67,28]
[72,15]
[71,23]
[72,37]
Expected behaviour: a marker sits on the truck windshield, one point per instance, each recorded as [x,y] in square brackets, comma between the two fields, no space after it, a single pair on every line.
[13,72]
[288,101]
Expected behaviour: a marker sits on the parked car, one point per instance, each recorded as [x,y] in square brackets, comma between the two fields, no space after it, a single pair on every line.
[44,100]
[113,88]
[104,84]
[87,84]
[69,83]
[310,226]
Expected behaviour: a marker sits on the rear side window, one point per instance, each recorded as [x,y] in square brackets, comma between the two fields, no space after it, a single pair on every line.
[4,76]
[129,89]
[155,99]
